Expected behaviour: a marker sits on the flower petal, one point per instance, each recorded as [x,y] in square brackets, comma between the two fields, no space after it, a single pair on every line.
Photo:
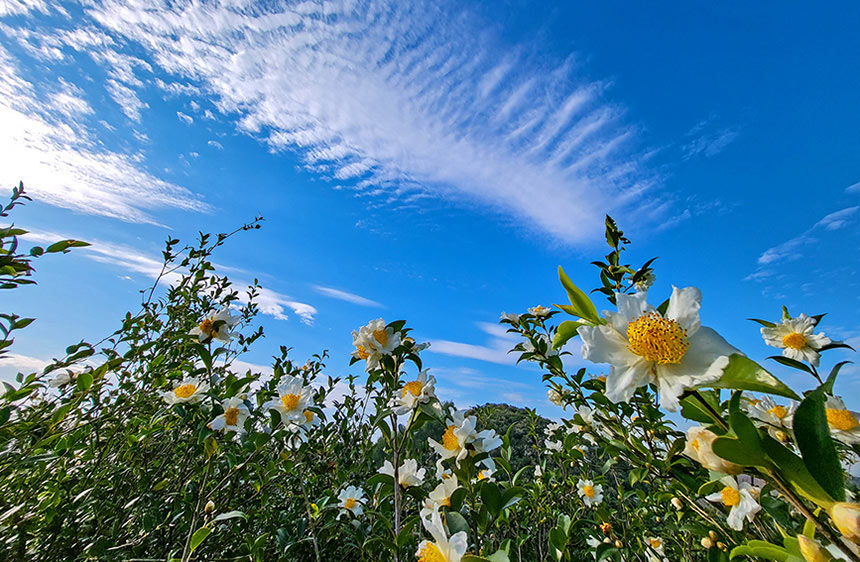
[622,382]
[684,305]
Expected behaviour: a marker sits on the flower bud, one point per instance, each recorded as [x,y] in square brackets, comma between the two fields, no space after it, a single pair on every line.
[713,535]
[677,504]
[657,519]
[846,517]
[607,540]
[721,545]
[209,507]
[707,543]
[618,544]
[811,550]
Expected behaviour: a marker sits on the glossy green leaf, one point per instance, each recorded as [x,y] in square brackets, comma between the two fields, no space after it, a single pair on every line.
[199,536]
[793,468]
[743,373]
[582,305]
[812,433]
[84,381]
[565,331]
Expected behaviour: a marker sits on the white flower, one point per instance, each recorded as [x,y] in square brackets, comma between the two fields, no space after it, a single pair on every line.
[539,311]
[587,415]
[844,424]
[292,401]
[741,497]
[593,542]
[233,418]
[776,416]
[351,499]
[441,548]
[591,493]
[441,494]
[673,351]
[486,474]
[656,544]
[408,474]
[698,448]
[373,341]
[215,326]
[459,433]
[542,341]
[421,390]
[555,397]
[795,338]
[552,445]
[486,441]
[62,378]
[645,283]
[538,471]
[190,390]
[510,317]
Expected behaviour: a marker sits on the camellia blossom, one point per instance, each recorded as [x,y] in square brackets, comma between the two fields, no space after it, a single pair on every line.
[777,417]
[656,544]
[217,326]
[441,494]
[374,341]
[233,418]
[408,474]
[698,448]
[795,338]
[510,317]
[190,390]
[292,401]
[642,346]
[541,341]
[460,432]
[739,495]
[844,424]
[591,493]
[421,390]
[441,548]
[539,311]
[351,500]
[555,397]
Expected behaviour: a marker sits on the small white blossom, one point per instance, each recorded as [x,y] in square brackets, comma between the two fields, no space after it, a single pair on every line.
[795,337]
[591,493]
[408,474]
[739,495]
[190,390]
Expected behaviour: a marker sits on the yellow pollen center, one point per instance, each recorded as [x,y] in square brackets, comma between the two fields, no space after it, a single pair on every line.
[309,416]
[602,378]
[431,553]
[414,387]
[481,475]
[290,401]
[185,390]
[695,444]
[655,543]
[841,419]
[381,336]
[588,491]
[231,416]
[349,503]
[778,411]
[207,327]
[657,339]
[362,351]
[794,341]
[730,496]
[449,440]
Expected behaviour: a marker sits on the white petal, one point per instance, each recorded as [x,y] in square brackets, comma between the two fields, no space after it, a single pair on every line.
[632,306]
[603,344]
[623,381]
[217,423]
[457,546]
[684,305]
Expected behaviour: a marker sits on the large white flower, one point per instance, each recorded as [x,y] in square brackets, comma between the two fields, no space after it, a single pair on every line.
[408,474]
[591,493]
[441,548]
[441,494]
[374,341]
[351,499]
[61,378]
[673,351]
[844,424]
[459,433]
[795,338]
[698,448]
[216,326]
[190,391]
[741,497]
[292,401]
[233,418]
[421,390]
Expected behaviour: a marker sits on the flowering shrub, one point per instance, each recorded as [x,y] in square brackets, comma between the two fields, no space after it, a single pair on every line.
[152,444]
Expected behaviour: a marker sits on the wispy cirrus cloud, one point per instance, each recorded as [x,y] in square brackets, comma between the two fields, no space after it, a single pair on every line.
[494,351]
[346,296]
[708,140]
[394,100]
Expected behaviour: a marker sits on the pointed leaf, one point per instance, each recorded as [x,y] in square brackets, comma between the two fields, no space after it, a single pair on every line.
[812,432]
[743,373]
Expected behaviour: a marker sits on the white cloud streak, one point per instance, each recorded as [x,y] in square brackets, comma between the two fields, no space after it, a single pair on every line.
[494,351]
[346,296]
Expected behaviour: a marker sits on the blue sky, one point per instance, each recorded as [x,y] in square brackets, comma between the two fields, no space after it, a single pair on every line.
[436,162]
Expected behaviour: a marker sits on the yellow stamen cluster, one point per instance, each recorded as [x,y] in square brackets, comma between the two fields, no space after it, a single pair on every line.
[290,401]
[588,491]
[349,503]
[778,411]
[657,339]
[231,416]
[842,419]
[449,440]
[381,336]
[655,543]
[185,390]
[309,416]
[730,496]
[794,340]
[207,327]
[431,553]
[414,387]
[362,351]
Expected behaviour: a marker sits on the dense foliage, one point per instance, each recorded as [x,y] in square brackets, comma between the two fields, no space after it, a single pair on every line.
[152,445]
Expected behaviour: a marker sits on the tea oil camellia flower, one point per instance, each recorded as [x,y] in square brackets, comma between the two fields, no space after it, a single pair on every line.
[460,432]
[292,401]
[190,390]
[442,548]
[441,494]
[796,338]
[741,497]
[844,424]
[233,418]
[408,474]
[591,493]
[374,340]
[351,500]
[217,326]
[698,448]
[421,390]
[673,351]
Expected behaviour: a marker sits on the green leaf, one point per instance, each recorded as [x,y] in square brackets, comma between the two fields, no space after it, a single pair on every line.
[793,363]
[565,331]
[230,515]
[812,433]
[743,373]
[492,498]
[827,387]
[582,305]
[498,556]
[693,409]
[84,381]
[64,245]
[795,470]
[198,537]
[473,558]
[456,523]
[558,539]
